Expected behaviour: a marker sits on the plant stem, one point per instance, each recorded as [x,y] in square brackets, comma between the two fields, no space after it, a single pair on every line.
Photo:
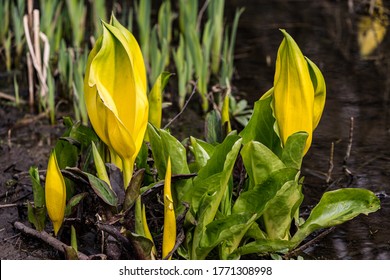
[127,172]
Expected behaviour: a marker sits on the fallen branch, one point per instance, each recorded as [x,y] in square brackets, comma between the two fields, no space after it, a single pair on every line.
[44,236]
[309,243]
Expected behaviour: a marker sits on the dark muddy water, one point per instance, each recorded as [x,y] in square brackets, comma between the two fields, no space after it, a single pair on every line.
[357,88]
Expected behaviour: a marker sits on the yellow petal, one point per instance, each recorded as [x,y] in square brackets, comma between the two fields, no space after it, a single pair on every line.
[55,193]
[319,91]
[293,100]
[169,234]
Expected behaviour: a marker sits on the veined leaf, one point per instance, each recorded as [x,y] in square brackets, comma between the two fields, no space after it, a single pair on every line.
[263,246]
[281,211]
[227,232]
[258,199]
[102,189]
[164,145]
[221,162]
[202,151]
[336,207]
[292,153]
[259,162]
[261,125]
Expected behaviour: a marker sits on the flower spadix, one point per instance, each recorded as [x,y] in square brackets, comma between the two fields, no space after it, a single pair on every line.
[55,193]
[299,92]
[115,93]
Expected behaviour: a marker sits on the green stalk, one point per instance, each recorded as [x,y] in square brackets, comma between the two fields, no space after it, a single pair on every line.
[143,11]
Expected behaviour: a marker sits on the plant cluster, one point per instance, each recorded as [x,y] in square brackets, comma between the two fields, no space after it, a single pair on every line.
[162,198]
[54,37]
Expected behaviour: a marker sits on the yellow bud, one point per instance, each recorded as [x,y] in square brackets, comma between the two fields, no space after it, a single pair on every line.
[55,193]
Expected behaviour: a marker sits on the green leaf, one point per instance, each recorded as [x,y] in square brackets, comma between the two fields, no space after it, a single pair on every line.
[228,232]
[261,125]
[36,216]
[281,211]
[164,145]
[213,127]
[259,162]
[155,99]
[258,199]
[220,164]
[102,189]
[73,202]
[202,151]
[293,150]
[133,190]
[264,246]
[337,207]
[38,190]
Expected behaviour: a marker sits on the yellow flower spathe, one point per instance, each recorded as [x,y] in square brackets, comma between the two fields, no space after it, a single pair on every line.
[55,193]
[169,233]
[294,93]
[115,93]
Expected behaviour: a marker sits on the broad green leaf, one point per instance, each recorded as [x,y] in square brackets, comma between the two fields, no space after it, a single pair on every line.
[281,210]
[292,153]
[261,125]
[336,207]
[102,189]
[164,145]
[258,199]
[227,232]
[263,246]
[222,161]
[38,190]
[201,187]
[216,163]
[202,151]
[255,232]
[259,162]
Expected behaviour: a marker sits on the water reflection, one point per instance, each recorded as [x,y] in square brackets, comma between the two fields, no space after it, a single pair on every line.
[357,88]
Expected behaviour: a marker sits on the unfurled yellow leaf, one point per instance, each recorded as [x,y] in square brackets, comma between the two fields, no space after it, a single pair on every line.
[115,93]
[293,98]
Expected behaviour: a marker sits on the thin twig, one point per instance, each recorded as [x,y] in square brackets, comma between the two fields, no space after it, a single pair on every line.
[44,236]
[10,98]
[309,243]
[349,148]
[331,165]
[184,107]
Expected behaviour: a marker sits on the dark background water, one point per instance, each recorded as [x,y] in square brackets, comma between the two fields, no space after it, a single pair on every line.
[356,88]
